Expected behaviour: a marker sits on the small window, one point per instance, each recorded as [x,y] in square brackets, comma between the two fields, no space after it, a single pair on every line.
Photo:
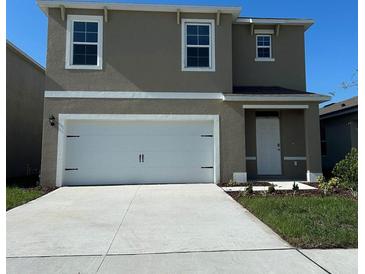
[263,48]
[84,42]
[198,45]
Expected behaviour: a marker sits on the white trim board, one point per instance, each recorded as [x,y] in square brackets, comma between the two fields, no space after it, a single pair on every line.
[251,158]
[313,176]
[295,158]
[183,95]
[277,97]
[275,106]
[134,95]
[63,118]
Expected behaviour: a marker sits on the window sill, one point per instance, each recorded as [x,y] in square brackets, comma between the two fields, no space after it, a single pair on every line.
[199,69]
[83,67]
[264,59]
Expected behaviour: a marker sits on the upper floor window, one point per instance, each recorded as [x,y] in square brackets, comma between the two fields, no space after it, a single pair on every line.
[264,48]
[84,42]
[198,53]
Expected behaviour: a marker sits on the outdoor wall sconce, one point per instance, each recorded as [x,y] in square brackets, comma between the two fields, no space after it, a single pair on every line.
[52,120]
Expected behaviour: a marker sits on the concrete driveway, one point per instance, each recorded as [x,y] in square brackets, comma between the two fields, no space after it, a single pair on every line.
[145,229]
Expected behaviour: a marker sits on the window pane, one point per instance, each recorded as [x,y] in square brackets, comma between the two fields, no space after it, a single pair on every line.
[266,41]
[91,60]
[91,37]
[79,59]
[192,30]
[203,52]
[203,30]
[79,49]
[203,62]
[192,40]
[91,49]
[263,52]
[92,27]
[192,52]
[204,40]
[192,62]
[79,36]
[79,26]
[197,57]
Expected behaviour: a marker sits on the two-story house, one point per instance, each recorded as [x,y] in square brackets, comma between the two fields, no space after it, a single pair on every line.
[175,94]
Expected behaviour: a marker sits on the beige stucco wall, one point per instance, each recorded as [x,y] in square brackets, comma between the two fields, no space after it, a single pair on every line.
[24,112]
[288,69]
[237,131]
[141,52]
[231,126]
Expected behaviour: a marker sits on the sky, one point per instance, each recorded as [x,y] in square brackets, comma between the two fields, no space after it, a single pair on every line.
[331,43]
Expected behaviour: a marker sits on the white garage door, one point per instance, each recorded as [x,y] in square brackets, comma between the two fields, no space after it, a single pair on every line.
[98,152]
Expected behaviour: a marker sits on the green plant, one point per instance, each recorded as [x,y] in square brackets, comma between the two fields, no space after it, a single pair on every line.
[346,170]
[271,189]
[249,189]
[295,186]
[231,183]
[332,185]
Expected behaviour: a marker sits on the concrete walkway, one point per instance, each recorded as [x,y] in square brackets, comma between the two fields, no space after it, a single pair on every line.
[145,229]
[286,185]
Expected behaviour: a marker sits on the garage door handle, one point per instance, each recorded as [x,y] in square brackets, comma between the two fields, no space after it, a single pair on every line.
[142,158]
[139,157]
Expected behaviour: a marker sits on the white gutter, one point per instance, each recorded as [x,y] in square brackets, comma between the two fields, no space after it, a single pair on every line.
[45,4]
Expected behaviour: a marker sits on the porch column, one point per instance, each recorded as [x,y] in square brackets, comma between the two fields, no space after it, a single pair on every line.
[312,142]
[240,176]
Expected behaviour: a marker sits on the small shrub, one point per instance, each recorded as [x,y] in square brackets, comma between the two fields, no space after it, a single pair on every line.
[271,189]
[231,183]
[295,186]
[332,185]
[249,189]
[346,170]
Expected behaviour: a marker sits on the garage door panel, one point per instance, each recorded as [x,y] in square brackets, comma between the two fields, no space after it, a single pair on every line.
[161,128]
[108,152]
[133,176]
[138,143]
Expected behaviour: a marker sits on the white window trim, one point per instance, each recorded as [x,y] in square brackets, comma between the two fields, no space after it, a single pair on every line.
[264,59]
[64,118]
[211,22]
[69,41]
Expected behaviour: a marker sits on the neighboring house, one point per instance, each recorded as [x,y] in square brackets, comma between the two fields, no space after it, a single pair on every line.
[25,80]
[175,94]
[338,123]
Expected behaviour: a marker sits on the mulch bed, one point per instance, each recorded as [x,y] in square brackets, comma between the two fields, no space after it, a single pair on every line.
[303,193]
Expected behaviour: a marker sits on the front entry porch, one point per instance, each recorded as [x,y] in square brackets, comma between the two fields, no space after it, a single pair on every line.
[282,142]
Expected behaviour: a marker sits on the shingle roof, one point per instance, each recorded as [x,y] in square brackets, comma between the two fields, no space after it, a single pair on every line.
[266,90]
[339,107]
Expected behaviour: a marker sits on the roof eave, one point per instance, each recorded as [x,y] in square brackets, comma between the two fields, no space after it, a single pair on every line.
[277,97]
[307,23]
[45,4]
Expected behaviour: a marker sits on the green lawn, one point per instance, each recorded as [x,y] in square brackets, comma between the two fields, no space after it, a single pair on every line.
[16,196]
[308,222]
